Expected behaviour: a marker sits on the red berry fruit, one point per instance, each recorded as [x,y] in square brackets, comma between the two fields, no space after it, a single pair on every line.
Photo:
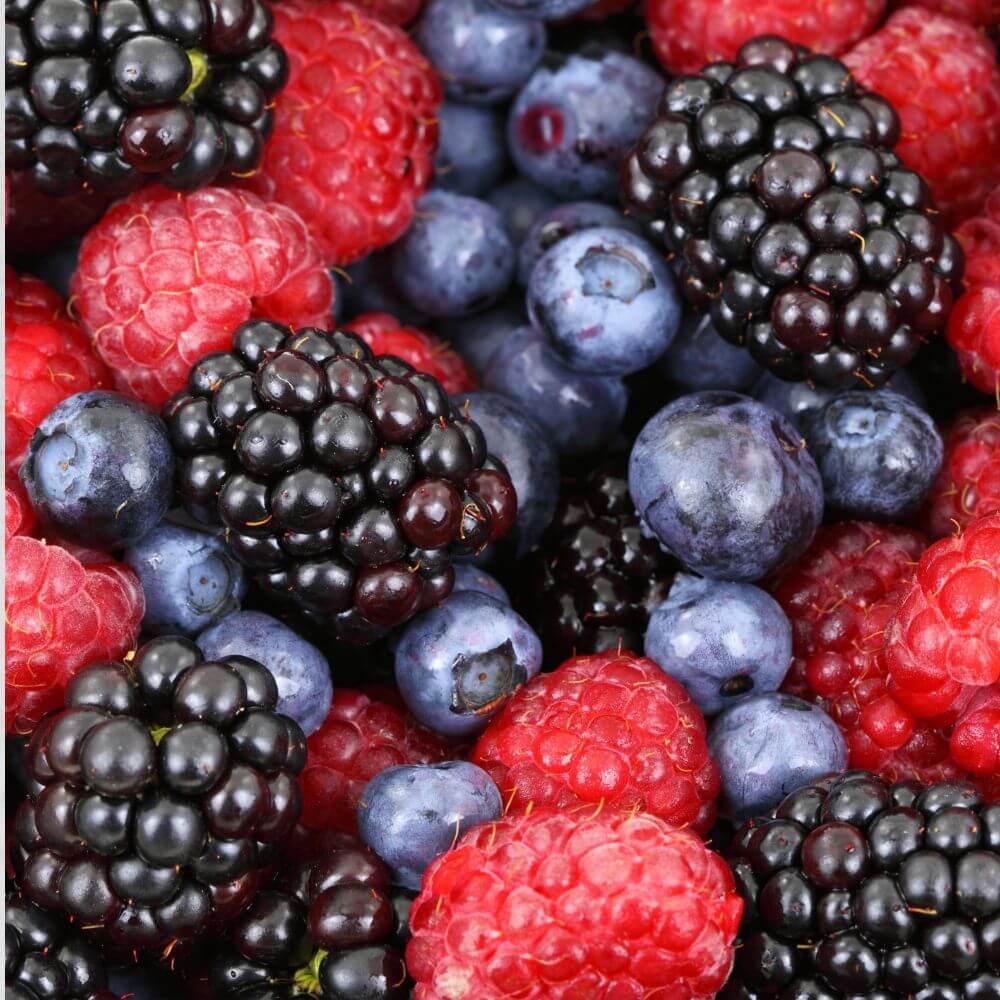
[983,13]
[19,514]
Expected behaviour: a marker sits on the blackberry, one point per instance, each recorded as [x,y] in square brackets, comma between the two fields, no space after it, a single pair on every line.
[773,180]
[344,480]
[158,795]
[593,581]
[857,888]
[108,94]
[45,960]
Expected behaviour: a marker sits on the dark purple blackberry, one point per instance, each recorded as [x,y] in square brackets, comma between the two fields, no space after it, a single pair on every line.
[854,888]
[159,793]
[112,93]
[593,581]
[345,481]
[774,182]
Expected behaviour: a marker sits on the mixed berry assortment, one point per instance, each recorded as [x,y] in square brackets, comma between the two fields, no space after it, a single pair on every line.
[502,500]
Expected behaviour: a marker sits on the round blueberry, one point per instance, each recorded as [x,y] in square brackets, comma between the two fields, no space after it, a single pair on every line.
[698,358]
[472,149]
[369,287]
[468,576]
[520,202]
[545,10]
[477,337]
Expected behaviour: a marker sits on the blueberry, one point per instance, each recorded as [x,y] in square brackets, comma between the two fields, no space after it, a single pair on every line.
[409,815]
[580,413]
[523,447]
[368,287]
[606,300]
[457,664]
[770,745]
[698,358]
[190,579]
[484,54]
[562,221]
[477,337]
[300,669]
[100,469]
[456,258]
[725,642]
[878,453]
[546,10]
[470,577]
[472,149]
[573,122]
[726,484]
[520,202]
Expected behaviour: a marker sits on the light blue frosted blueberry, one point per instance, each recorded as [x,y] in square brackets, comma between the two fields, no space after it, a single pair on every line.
[477,337]
[520,202]
[472,149]
[469,576]
[548,10]
[698,358]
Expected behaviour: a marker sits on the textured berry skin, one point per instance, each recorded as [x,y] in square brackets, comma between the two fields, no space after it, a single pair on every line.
[354,133]
[689,33]
[401,12]
[942,78]
[359,739]
[166,277]
[384,334]
[968,486]
[47,359]
[610,728]
[65,608]
[979,12]
[19,516]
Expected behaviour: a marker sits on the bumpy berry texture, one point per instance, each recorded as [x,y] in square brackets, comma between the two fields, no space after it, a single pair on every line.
[47,359]
[345,480]
[360,738]
[980,12]
[857,888]
[401,12]
[161,790]
[384,334]
[354,130]
[65,607]
[557,905]
[798,227]
[108,96]
[942,78]
[19,515]
[608,730]
[689,33]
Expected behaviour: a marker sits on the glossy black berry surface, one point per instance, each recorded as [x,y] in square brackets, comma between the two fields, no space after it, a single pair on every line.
[775,184]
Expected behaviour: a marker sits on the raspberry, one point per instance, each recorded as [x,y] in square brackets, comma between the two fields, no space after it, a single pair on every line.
[19,514]
[48,358]
[401,12]
[975,740]
[980,12]
[359,738]
[557,906]
[166,277]
[609,729]
[65,607]
[384,334]
[968,486]
[355,129]
[689,33]
[941,76]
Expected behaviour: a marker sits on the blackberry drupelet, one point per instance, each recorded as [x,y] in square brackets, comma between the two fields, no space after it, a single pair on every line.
[596,577]
[344,480]
[159,795]
[774,181]
[856,888]
[109,94]
[46,960]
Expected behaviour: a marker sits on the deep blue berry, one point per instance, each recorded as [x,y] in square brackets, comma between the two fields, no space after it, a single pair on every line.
[472,149]
[698,358]
[520,202]
[470,577]
[477,337]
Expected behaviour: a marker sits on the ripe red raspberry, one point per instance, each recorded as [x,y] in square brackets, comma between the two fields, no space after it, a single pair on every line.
[975,740]
[401,12]
[65,607]
[979,12]
[560,906]
[384,334]
[354,130]
[359,739]
[47,359]
[968,485]
[689,33]
[942,77]
[165,277]
[19,514]
[610,729]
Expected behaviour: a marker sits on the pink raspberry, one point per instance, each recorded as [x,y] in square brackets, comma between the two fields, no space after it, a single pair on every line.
[19,514]
[984,13]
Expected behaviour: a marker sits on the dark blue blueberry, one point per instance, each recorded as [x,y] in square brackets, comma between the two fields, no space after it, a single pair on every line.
[699,358]
[725,642]
[547,10]
[409,815]
[456,258]
[477,337]
[726,484]
[190,579]
[483,53]
[468,576]
[523,447]
[58,266]
[369,287]
[768,746]
[574,121]
[100,469]
[472,149]
[459,663]
[607,301]
[580,413]
[878,453]
[520,202]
